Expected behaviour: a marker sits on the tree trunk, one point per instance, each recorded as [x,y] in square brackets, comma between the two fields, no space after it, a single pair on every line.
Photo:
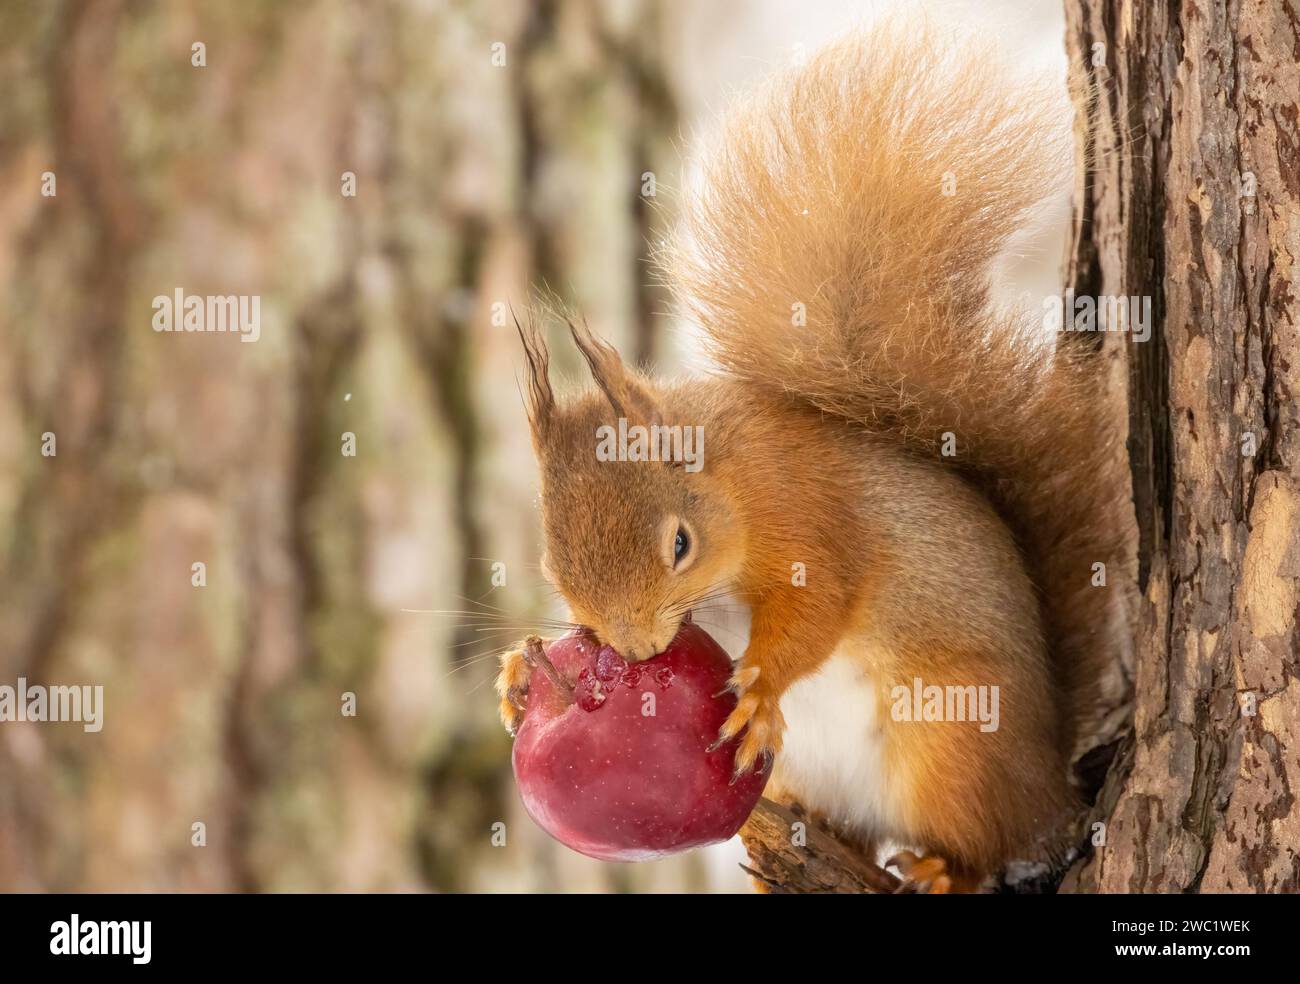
[1193,201]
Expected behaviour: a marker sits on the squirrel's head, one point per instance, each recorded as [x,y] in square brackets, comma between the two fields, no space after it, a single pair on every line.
[631,544]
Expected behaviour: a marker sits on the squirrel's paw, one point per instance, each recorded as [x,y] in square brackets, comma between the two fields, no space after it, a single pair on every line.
[758,715]
[929,875]
[512,686]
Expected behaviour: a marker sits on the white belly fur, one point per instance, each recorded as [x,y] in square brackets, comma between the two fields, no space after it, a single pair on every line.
[832,759]
[833,756]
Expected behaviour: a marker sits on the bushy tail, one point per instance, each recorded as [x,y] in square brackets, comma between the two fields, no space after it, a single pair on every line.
[838,249]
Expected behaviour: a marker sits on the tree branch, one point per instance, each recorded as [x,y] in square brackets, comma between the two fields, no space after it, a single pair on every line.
[788,859]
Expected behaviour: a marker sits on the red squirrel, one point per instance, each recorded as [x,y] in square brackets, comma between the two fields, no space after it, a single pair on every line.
[900,480]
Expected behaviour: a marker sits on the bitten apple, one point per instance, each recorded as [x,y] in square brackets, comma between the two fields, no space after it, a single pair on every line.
[613,758]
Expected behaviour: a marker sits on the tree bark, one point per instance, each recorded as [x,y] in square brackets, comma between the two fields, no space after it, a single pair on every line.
[790,853]
[1193,201]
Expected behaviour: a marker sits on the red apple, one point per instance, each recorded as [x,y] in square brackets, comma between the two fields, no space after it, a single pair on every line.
[613,758]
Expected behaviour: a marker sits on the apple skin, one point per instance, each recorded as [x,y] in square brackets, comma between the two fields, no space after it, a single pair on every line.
[611,782]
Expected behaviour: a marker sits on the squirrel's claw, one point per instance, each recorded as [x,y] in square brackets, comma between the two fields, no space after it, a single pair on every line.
[921,875]
[758,716]
[512,688]
[756,751]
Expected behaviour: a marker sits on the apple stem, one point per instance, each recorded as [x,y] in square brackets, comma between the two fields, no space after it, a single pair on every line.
[535,655]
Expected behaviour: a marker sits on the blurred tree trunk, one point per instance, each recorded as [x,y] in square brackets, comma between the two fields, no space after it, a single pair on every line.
[1193,201]
[476,179]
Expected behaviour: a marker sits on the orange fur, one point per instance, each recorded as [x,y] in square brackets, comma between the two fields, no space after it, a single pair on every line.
[824,190]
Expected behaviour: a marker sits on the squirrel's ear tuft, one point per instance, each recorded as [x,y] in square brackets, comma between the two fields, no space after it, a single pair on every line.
[539,401]
[621,387]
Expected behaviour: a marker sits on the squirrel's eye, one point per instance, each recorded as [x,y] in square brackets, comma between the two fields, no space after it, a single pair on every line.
[676,550]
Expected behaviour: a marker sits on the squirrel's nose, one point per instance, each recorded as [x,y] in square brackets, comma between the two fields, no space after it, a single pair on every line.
[633,646]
